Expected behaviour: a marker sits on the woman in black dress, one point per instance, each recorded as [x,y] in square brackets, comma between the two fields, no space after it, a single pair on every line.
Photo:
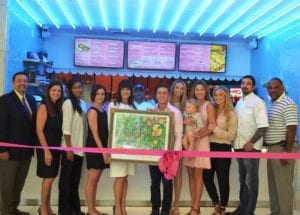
[48,128]
[97,138]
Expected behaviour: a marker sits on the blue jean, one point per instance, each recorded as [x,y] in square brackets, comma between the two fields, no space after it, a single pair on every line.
[248,172]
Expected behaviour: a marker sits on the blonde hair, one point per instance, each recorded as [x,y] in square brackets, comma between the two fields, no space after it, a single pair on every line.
[193,101]
[183,97]
[228,107]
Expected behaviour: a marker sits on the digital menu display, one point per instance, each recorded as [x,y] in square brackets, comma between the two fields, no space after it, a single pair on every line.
[202,58]
[151,55]
[99,53]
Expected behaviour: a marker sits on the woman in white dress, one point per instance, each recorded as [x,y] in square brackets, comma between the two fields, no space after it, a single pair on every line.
[121,170]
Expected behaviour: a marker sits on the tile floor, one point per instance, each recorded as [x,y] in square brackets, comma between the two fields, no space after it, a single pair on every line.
[146,210]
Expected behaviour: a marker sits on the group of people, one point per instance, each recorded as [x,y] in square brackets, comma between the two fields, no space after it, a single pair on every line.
[201,123]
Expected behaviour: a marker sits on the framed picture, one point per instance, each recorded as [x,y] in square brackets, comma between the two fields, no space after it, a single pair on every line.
[147,130]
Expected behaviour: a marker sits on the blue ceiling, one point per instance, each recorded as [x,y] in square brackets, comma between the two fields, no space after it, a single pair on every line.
[218,19]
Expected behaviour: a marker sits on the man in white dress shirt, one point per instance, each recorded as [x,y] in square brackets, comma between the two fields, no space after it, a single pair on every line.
[252,123]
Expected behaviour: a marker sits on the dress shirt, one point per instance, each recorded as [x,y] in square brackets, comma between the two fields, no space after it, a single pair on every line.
[21,100]
[178,125]
[252,114]
[75,125]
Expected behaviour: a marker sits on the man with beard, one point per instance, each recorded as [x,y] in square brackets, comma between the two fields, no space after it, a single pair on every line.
[252,123]
[17,117]
[280,137]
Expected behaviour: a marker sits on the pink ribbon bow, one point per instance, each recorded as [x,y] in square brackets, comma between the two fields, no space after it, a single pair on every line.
[168,163]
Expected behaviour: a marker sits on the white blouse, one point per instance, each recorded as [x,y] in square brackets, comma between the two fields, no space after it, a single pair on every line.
[75,125]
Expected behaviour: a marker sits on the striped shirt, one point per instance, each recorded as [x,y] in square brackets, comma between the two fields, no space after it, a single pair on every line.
[281,113]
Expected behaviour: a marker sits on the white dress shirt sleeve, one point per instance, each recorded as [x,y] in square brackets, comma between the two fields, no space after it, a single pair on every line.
[68,111]
[178,130]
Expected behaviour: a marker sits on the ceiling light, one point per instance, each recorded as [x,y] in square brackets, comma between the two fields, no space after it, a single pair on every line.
[141,15]
[272,19]
[29,13]
[103,14]
[46,11]
[177,15]
[84,14]
[159,15]
[65,13]
[286,22]
[226,5]
[254,18]
[17,15]
[196,17]
[122,15]
[235,17]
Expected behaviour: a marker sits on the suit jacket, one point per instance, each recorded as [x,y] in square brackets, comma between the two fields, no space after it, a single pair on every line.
[16,126]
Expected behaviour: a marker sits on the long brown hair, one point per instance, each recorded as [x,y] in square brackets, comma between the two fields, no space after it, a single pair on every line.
[205,86]
[51,107]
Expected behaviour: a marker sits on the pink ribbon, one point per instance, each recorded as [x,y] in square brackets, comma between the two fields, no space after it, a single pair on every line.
[168,163]
[269,155]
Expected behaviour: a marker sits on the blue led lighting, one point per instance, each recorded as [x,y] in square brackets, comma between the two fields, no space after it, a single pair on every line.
[159,15]
[235,17]
[84,14]
[48,13]
[65,13]
[288,21]
[122,15]
[103,14]
[29,13]
[21,18]
[141,15]
[177,15]
[272,19]
[254,18]
[222,10]
[285,30]
[196,17]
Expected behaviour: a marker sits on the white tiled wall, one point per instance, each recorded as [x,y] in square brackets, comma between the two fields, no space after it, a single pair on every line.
[2,44]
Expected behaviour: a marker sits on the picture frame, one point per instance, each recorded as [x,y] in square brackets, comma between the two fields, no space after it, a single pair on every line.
[146,130]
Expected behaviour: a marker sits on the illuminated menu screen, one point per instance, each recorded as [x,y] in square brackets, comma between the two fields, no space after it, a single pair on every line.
[151,55]
[202,58]
[99,53]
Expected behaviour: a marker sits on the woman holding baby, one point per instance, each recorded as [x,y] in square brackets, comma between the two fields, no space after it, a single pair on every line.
[195,165]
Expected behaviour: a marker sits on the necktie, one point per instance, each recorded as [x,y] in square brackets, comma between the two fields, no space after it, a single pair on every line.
[26,107]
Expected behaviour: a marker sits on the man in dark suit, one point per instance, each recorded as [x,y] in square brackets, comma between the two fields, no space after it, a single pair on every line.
[17,125]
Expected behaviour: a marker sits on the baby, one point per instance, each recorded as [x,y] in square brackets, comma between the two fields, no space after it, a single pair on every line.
[191,112]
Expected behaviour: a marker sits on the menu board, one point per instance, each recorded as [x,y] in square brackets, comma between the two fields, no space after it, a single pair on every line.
[99,53]
[202,58]
[151,55]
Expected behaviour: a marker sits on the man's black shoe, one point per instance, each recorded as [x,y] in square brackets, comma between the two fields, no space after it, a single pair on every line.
[235,212]
[164,212]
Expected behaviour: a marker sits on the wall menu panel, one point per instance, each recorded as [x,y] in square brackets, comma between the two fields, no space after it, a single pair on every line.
[202,58]
[151,55]
[99,53]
